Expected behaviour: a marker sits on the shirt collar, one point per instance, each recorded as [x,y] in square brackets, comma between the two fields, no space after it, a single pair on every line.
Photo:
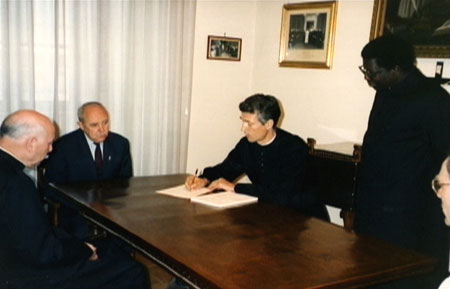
[91,142]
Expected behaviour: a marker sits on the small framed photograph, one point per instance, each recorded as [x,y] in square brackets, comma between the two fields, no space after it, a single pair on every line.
[307,34]
[425,24]
[224,48]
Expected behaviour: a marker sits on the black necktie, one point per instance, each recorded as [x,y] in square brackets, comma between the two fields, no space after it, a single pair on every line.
[98,159]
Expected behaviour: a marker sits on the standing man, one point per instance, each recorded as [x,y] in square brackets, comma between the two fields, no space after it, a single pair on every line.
[32,253]
[273,159]
[89,153]
[407,138]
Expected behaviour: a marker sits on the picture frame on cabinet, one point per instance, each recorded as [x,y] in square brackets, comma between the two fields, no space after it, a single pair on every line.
[307,34]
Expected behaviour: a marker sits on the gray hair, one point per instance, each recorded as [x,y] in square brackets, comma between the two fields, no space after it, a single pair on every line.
[80,112]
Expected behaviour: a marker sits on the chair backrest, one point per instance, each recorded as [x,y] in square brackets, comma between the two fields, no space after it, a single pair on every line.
[332,174]
[52,207]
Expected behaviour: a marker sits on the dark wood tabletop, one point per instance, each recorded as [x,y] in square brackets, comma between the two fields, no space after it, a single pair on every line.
[254,246]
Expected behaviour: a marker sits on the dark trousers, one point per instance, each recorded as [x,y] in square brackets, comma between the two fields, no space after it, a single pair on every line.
[73,223]
[115,269]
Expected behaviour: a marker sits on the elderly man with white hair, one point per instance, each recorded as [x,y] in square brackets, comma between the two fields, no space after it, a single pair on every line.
[33,254]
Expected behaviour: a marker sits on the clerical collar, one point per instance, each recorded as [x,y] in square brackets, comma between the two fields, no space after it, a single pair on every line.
[270,141]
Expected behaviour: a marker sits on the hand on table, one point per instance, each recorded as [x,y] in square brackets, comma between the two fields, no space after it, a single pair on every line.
[94,256]
[221,184]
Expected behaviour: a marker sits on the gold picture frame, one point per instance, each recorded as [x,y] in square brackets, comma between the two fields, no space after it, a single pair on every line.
[307,34]
[426,27]
[224,48]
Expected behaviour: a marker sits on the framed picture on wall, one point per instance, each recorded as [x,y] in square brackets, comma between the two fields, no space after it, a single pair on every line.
[424,23]
[224,48]
[307,34]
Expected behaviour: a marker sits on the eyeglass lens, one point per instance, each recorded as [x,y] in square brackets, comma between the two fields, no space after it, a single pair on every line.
[368,73]
[435,185]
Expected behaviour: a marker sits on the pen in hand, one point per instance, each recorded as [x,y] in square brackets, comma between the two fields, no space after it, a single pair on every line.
[193,179]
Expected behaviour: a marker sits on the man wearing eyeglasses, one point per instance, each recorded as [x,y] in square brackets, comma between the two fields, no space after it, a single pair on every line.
[407,138]
[441,186]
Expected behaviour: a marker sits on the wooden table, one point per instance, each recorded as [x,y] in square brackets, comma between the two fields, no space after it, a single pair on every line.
[255,246]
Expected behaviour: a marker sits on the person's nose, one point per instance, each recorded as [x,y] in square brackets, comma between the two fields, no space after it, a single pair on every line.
[102,128]
[244,127]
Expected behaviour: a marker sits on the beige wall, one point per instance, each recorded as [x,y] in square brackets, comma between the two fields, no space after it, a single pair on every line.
[330,105]
[218,86]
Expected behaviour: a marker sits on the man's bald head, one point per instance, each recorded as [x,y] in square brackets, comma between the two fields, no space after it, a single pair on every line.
[23,123]
[28,135]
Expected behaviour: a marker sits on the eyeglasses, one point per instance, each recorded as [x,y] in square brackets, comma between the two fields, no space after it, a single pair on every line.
[368,73]
[436,185]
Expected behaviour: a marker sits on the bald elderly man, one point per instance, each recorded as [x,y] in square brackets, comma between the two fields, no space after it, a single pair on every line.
[33,254]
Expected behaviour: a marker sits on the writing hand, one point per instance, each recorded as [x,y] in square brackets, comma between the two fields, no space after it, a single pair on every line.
[222,184]
[195,183]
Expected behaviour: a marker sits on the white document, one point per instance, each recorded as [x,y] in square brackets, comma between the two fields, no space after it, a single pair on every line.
[225,200]
[182,192]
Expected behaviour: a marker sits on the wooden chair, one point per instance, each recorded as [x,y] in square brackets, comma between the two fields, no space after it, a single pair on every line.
[52,206]
[332,171]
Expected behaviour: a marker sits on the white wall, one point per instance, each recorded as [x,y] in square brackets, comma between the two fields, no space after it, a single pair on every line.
[329,105]
[218,86]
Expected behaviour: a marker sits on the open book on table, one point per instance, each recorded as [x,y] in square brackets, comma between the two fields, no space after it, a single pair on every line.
[225,199]
[203,196]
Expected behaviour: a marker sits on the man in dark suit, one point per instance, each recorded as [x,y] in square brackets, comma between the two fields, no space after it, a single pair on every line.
[89,153]
[407,138]
[33,254]
[73,157]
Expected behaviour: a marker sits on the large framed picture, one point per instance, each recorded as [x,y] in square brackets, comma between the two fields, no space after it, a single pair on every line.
[307,34]
[424,23]
[224,48]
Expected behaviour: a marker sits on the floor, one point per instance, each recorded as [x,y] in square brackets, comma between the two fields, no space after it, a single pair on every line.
[160,278]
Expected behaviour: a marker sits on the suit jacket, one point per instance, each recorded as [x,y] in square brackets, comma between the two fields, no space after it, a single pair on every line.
[31,251]
[71,159]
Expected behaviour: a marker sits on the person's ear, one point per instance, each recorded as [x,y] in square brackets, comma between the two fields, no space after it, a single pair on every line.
[397,72]
[80,125]
[269,124]
[30,144]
